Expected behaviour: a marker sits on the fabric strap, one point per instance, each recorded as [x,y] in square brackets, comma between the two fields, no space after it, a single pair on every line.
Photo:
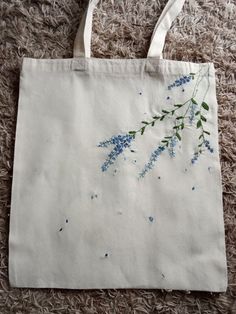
[82,44]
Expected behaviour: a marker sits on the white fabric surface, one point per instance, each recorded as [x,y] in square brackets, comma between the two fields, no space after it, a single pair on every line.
[73,225]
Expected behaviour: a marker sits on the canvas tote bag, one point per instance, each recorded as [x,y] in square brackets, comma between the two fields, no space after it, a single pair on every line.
[117,178]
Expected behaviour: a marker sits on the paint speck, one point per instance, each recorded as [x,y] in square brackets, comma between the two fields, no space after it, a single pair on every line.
[106,255]
[150,218]
[183,90]
[193,188]
[60,229]
[96,195]
[185,169]
[209,169]
[140,93]
[91,197]
[159,178]
[119,213]
[132,151]
[163,276]
[168,97]
[66,220]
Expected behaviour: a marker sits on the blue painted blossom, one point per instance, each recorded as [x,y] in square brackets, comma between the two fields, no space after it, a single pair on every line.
[172,145]
[195,157]
[154,156]
[180,81]
[193,108]
[197,154]
[208,146]
[120,143]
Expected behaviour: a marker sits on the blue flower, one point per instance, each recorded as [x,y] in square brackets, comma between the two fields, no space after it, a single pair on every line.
[195,157]
[208,146]
[120,142]
[180,81]
[153,158]
[193,108]
[197,154]
[172,145]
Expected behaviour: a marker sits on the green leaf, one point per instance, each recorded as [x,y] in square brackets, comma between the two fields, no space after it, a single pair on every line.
[205,106]
[178,105]
[168,137]
[182,126]
[145,122]
[200,145]
[193,101]
[164,111]
[164,141]
[156,117]
[207,132]
[200,136]
[132,132]
[172,112]
[179,137]
[203,118]
[176,127]
[199,124]
[180,117]
[197,113]
[142,130]
[153,123]
[162,117]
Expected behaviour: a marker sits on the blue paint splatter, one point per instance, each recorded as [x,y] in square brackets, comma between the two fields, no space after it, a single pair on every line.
[151,219]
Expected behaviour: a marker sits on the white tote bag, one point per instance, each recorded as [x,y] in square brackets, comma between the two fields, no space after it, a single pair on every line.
[116,179]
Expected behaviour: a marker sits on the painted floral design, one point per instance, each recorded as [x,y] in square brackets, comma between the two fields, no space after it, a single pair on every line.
[119,143]
[181,81]
[191,112]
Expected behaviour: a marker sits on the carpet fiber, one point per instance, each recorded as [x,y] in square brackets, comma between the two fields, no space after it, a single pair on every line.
[204,31]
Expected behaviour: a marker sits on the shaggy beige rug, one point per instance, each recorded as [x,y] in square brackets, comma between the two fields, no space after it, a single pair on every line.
[204,31]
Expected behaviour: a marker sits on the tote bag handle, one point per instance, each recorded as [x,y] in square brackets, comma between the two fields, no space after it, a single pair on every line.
[82,44]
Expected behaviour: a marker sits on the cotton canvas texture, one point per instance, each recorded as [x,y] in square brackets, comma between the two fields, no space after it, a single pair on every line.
[116,179]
